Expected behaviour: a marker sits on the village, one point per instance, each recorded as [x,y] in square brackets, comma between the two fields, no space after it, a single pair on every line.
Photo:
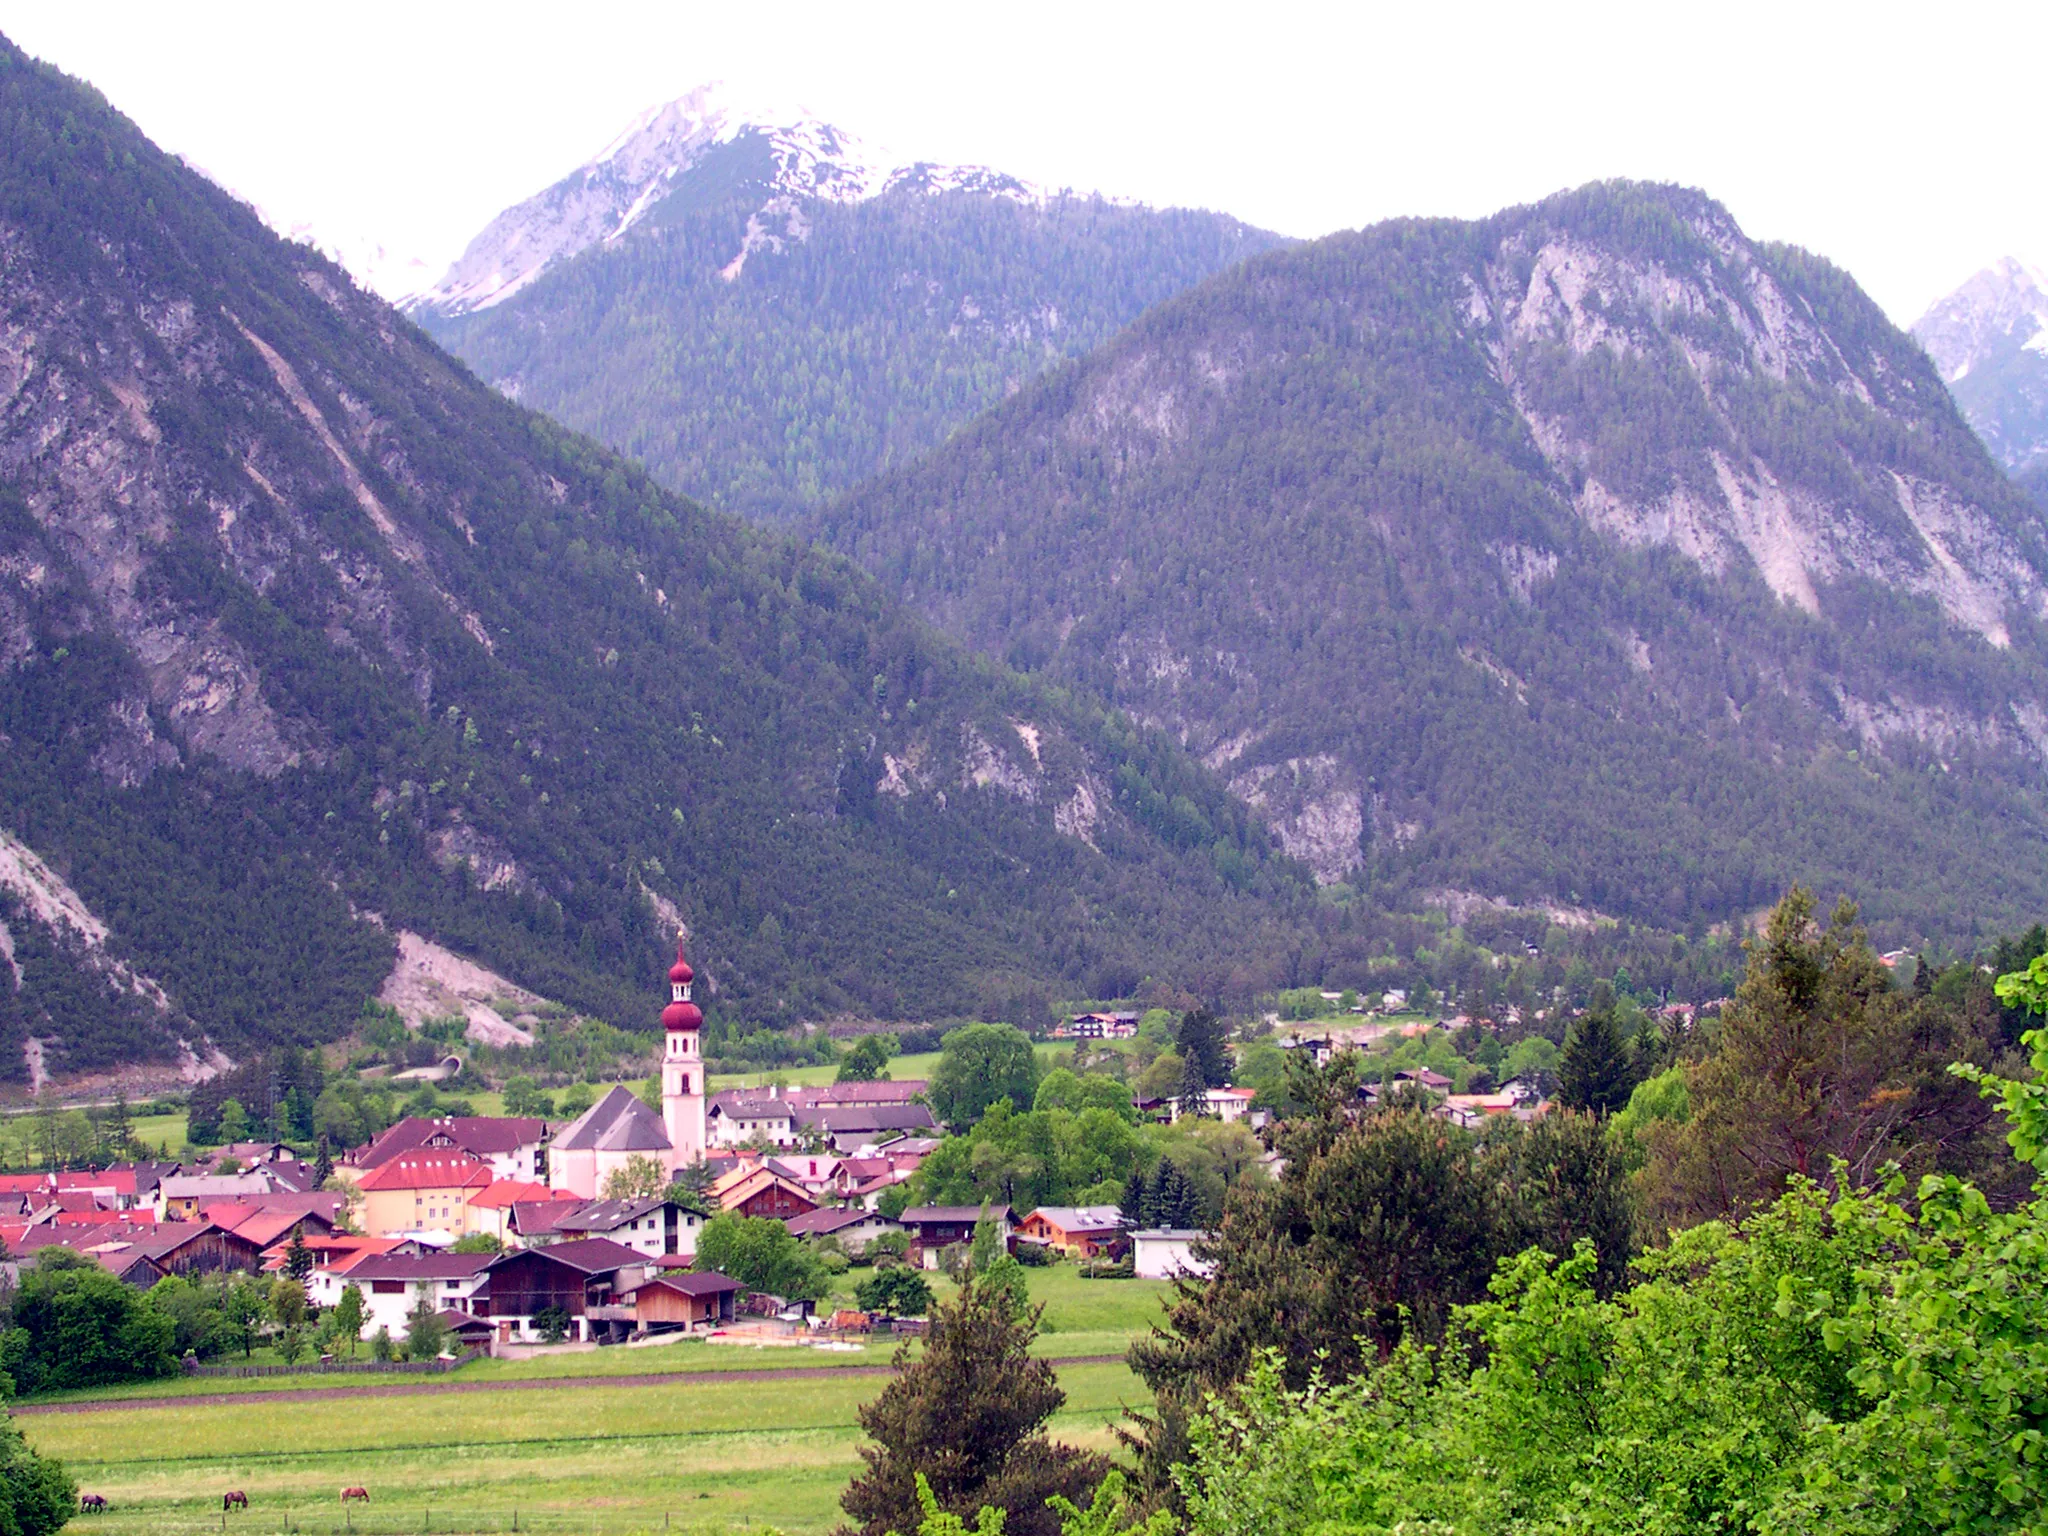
[517,1235]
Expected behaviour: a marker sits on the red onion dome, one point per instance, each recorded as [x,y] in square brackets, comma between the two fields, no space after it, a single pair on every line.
[680,973]
[682,1016]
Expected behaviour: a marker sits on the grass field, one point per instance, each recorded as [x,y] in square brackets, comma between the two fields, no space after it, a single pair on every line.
[1082,1317]
[695,1456]
[920,1065]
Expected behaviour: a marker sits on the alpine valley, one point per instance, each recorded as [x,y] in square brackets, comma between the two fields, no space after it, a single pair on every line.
[313,648]
[765,312]
[1591,555]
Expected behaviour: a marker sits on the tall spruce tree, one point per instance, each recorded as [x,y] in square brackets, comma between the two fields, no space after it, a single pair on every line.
[1596,1071]
[969,1413]
[1200,1042]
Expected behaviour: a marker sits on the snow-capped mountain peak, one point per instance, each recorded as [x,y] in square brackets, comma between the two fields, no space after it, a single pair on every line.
[2004,305]
[1990,340]
[802,159]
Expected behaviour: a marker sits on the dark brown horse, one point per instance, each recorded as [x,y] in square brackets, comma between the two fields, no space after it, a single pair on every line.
[355,1493]
[236,1499]
[92,1503]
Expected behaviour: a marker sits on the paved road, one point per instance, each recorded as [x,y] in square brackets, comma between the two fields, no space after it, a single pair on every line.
[511,1384]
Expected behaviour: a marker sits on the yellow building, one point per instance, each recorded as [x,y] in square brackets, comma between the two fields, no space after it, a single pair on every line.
[422,1192]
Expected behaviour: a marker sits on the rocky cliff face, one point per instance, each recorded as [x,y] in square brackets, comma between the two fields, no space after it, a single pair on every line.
[1498,555]
[309,642]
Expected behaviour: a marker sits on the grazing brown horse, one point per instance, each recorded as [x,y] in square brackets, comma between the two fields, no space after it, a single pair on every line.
[233,1500]
[92,1504]
[355,1493]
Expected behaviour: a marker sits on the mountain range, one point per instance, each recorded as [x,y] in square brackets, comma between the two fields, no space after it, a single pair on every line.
[765,311]
[1591,554]
[313,646]
[1990,340]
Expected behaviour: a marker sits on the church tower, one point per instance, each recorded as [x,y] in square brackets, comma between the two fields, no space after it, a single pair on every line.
[682,1068]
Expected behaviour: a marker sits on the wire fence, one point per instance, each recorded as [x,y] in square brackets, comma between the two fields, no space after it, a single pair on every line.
[342,1367]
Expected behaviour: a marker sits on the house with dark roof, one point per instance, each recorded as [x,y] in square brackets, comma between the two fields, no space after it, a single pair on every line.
[513,1145]
[605,1138]
[734,1119]
[935,1228]
[855,1126]
[393,1284]
[585,1279]
[654,1227]
[853,1227]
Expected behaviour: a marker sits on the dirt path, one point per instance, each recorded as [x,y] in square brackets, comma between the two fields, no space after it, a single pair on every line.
[514,1384]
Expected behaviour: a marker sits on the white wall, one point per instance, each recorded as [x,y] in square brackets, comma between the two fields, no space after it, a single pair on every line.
[1162,1258]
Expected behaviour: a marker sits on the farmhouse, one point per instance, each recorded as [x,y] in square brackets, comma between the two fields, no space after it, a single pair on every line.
[1079,1231]
[579,1277]
[734,1119]
[333,1259]
[181,1196]
[491,1208]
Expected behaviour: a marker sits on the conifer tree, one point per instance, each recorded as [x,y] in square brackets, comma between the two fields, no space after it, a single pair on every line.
[969,1413]
[1596,1070]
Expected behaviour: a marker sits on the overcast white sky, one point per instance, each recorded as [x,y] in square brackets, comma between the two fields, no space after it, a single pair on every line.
[1902,142]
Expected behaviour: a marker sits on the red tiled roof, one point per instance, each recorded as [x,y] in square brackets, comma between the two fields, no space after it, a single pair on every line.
[428,1170]
[507,1192]
[23,1183]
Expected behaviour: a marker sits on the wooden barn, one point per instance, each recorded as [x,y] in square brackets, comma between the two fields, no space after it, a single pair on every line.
[688,1300]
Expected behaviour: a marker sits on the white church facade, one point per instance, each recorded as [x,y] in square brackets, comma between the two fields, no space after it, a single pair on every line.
[620,1127]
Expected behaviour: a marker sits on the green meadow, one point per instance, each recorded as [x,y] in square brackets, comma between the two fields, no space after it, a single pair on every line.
[700,1456]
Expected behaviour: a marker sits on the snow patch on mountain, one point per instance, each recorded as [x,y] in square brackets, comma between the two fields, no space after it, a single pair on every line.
[603,200]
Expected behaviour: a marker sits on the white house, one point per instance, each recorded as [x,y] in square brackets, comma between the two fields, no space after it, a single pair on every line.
[1164,1253]
[733,1119]
[392,1285]
[1225,1104]
[653,1226]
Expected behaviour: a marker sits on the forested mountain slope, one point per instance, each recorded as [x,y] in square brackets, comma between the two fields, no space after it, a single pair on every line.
[1591,553]
[765,313]
[306,637]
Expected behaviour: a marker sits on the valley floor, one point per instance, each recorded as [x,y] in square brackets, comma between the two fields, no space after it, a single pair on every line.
[693,1437]
[697,1454]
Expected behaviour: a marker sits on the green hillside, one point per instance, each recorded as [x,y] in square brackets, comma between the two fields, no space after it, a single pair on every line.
[837,356]
[307,636]
[1591,554]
